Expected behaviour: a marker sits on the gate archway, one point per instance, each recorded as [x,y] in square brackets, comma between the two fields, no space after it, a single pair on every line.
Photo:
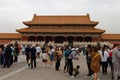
[48,38]
[70,39]
[40,38]
[79,39]
[31,38]
[88,39]
[59,39]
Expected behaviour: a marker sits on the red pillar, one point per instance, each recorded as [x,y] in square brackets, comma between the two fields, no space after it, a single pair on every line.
[94,39]
[23,38]
[99,38]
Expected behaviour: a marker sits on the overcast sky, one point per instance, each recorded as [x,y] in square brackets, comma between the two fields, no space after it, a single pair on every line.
[14,12]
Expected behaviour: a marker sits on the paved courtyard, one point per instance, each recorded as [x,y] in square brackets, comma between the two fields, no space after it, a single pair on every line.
[20,71]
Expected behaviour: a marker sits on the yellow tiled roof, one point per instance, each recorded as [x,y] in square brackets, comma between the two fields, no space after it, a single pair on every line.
[10,35]
[110,36]
[61,30]
[73,19]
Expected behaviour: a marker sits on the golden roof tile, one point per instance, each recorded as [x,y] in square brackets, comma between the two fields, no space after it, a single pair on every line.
[71,19]
[10,36]
[61,30]
[110,36]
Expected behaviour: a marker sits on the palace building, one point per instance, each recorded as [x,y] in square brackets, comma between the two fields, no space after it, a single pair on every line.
[59,29]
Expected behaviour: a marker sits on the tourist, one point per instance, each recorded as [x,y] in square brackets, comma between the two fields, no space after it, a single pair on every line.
[44,57]
[66,54]
[95,62]
[23,49]
[27,53]
[59,57]
[50,53]
[38,50]
[7,56]
[88,59]
[83,50]
[33,56]
[76,71]
[110,62]
[116,61]
[74,54]
[16,48]
[2,55]
[104,56]
[12,54]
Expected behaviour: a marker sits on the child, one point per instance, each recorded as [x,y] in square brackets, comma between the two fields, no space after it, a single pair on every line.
[44,58]
[76,71]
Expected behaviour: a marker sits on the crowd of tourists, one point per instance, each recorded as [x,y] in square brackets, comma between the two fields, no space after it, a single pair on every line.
[51,54]
[8,55]
[96,57]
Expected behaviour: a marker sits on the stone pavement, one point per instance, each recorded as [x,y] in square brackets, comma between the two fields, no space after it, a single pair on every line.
[20,71]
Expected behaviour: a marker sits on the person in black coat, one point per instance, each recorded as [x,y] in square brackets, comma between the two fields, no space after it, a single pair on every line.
[16,53]
[7,56]
[27,53]
[88,59]
[33,56]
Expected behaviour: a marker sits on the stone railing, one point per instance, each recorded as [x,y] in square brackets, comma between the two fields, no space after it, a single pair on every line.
[92,43]
[62,44]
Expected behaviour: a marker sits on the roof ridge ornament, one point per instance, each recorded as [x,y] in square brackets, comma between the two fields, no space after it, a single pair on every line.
[35,14]
[87,14]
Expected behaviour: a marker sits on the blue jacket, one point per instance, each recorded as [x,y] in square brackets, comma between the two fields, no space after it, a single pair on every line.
[66,53]
[33,52]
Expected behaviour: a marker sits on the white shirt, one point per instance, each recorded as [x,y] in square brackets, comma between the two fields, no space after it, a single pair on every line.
[44,56]
[104,58]
[38,49]
[50,52]
[73,55]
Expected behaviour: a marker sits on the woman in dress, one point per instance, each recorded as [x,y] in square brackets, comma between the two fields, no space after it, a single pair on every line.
[95,62]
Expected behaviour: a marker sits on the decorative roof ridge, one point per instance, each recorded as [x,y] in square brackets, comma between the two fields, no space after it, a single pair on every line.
[100,29]
[60,15]
[61,19]
[111,34]
[9,33]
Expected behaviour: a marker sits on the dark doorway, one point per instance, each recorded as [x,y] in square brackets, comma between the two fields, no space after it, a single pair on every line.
[48,38]
[79,39]
[70,39]
[59,39]
[40,38]
[31,38]
[88,39]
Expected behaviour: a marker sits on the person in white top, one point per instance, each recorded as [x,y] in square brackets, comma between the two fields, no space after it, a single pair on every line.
[23,49]
[50,52]
[44,58]
[38,50]
[104,56]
